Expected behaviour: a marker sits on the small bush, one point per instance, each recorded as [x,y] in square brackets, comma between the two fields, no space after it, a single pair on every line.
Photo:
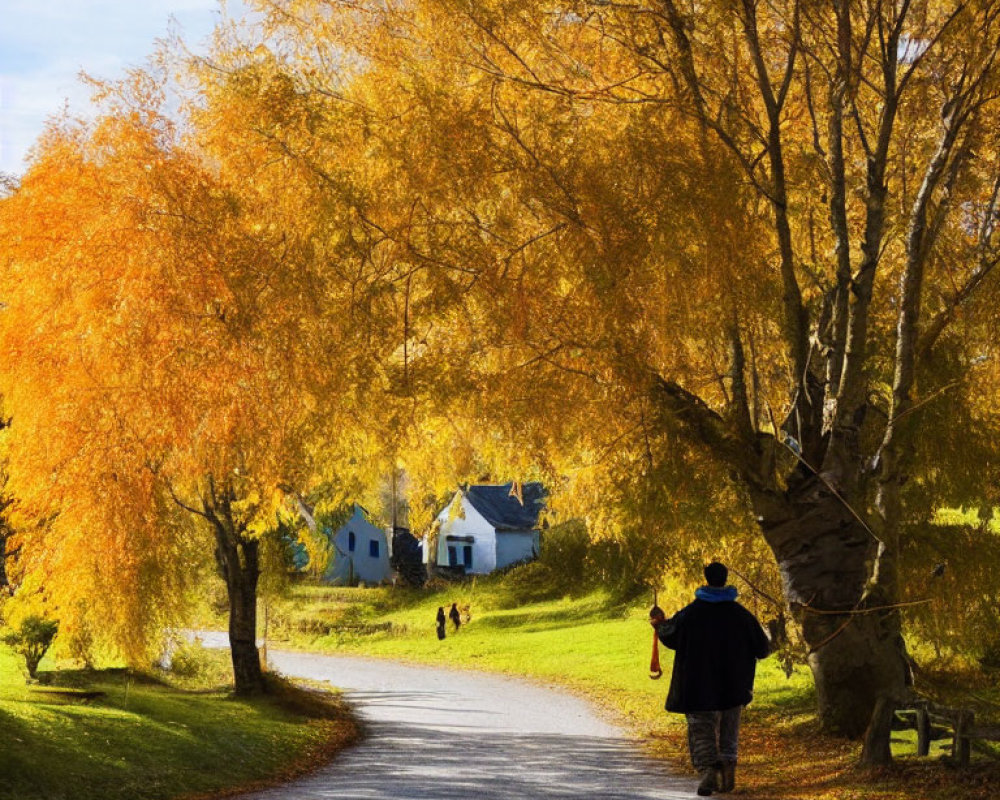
[566,549]
[193,664]
[32,639]
[571,563]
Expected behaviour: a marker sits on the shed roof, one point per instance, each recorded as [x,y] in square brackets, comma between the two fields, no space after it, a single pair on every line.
[503,510]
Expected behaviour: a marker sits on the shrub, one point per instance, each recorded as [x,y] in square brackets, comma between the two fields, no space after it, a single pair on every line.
[193,664]
[571,563]
[32,639]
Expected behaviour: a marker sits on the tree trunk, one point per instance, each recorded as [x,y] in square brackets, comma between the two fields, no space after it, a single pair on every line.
[826,556]
[4,555]
[240,567]
[860,664]
[877,747]
[838,577]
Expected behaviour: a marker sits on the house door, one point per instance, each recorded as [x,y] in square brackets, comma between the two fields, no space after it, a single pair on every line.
[467,556]
[452,556]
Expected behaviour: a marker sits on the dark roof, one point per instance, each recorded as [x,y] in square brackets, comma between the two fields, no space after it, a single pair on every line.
[503,510]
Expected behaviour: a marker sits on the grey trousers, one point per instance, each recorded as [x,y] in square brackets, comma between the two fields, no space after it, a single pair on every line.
[713,736]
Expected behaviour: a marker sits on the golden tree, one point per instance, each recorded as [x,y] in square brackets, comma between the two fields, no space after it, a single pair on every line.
[751,241]
[158,365]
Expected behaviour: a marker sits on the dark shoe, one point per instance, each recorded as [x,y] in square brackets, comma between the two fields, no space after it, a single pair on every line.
[709,782]
[728,776]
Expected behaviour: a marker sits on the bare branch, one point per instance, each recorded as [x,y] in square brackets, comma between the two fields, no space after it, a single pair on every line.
[186,506]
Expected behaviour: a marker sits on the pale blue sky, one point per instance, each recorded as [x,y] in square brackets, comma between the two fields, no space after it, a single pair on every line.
[45,44]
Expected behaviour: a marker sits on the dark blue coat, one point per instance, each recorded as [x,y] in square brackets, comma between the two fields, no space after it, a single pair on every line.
[717,643]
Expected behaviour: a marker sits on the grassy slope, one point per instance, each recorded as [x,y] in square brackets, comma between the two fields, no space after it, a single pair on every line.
[143,739]
[586,643]
[602,649]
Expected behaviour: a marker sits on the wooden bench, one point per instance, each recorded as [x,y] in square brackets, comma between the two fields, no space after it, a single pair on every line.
[961,721]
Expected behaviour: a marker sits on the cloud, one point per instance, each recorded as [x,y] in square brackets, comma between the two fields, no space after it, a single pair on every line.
[45,45]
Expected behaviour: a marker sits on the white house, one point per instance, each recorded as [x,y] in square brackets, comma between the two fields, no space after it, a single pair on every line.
[487,527]
[360,553]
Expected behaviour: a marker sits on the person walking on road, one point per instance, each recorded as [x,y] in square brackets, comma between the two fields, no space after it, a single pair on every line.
[717,643]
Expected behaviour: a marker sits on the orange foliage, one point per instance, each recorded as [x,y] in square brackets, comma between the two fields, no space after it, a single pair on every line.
[148,351]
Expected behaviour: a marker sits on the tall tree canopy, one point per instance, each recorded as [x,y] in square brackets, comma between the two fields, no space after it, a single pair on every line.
[754,243]
[168,361]
[699,264]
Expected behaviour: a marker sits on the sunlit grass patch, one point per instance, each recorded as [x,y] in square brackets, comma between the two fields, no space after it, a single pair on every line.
[110,734]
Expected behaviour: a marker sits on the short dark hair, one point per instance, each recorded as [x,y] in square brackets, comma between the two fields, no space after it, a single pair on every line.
[716,574]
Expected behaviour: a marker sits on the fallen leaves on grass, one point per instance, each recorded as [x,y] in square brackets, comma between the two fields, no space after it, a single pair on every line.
[784,759]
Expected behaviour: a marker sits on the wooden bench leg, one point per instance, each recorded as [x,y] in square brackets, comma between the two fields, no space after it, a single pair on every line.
[962,746]
[923,732]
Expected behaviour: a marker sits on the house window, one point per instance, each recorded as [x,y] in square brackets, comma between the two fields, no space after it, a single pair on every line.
[452,556]
[373,548]
[352,541]
[467,556]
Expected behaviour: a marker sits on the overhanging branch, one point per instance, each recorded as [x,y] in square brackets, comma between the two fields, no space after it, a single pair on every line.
[708,429]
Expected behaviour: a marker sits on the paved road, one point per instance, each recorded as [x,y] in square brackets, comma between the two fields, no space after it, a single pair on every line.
[439,734]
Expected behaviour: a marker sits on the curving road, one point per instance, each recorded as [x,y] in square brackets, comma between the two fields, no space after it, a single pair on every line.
[440,734]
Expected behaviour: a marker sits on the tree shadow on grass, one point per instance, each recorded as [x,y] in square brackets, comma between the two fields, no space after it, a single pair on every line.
[19,757]
[84,678]
[43,756]
[552,619]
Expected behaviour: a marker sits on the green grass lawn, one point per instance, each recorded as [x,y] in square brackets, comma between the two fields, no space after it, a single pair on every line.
[600,647]
[141,738]
[587,643]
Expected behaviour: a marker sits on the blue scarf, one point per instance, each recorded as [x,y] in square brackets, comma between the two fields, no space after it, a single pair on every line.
[716,594]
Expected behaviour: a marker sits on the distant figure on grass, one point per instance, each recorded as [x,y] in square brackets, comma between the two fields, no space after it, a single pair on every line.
[456,617]
[441,622]
[717,643]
